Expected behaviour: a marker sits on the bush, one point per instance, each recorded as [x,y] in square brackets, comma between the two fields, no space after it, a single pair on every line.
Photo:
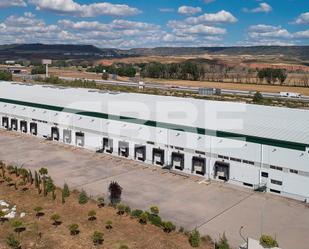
[143,218]
[56,219]
[258,97]
[154,210]
[268,241]
[12,242]
[38,211]
[155,220]
[38,70]
[195,238]
[18,226]
[121,209]
[101,202]
[43,172]
[223,243]
[83,198]
[66,191]
[92,215]
[136,213]
[168,226]
[123,247]
[73,229]
[97,238]
[109,225]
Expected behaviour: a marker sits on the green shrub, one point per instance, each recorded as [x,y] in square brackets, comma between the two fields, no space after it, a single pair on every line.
[168,226]
[56,219]
[127,209]
[12,242]
[38,212]
[223,243]
[154,210]
[18,226]
[195,238]
[101,202]
[92,215]
[109,225]
[73,228]
[97,238]
[123,247]
[43,171]
[121,209]
[155,220]
[5,75]
[143,218]
[66,191]
[268,241]
[136,213]
[83,198]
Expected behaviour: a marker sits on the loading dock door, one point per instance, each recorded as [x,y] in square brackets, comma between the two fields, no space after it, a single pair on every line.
[67,136]
[80,139]
[23,126]
[158,156]
[108,145]
[199,165]
[34,128]
[222,170]
[140,152]
[123,149]
[178,161]
[5,122]
[14,124]
[55,133]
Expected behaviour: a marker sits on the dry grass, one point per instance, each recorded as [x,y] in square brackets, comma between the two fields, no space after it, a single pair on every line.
[126,230]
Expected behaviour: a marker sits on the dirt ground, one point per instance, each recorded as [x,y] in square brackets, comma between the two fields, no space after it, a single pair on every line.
[125,231]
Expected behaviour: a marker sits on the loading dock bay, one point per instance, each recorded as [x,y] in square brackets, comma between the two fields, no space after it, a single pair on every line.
[212,208]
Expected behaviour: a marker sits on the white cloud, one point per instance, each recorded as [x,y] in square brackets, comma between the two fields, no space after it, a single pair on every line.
[302,34]
[303,18]
[189,10]
[263,7]
[261,30]
[12,3]
[84,10]
[219,17]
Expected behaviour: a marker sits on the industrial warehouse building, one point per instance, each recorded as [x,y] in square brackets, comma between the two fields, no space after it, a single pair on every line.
[258,147]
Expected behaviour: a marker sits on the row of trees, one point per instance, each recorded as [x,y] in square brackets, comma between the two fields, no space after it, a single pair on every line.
[272,75]
[120,69]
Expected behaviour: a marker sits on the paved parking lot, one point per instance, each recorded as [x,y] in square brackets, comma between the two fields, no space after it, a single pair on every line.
[212,208]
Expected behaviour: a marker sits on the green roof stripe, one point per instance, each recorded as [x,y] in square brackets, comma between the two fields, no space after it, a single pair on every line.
[202,131]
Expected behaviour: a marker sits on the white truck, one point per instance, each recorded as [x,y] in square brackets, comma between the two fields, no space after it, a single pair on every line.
[290,95]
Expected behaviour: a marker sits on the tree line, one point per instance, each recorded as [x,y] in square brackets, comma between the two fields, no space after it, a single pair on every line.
[122,69]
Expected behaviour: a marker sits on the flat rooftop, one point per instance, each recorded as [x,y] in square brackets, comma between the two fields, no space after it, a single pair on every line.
[278,123]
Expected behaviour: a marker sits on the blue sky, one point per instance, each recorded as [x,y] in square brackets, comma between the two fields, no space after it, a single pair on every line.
[151,23]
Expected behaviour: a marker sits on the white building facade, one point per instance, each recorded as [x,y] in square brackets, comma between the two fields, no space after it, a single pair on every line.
[258,147]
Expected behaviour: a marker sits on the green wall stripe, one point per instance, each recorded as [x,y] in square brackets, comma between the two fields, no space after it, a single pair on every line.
[151,123]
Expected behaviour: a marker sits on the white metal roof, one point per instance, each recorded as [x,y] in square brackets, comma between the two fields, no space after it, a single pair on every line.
[253,120]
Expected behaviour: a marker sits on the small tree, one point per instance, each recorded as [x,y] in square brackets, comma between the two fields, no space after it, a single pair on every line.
[195,238]
[73,228]
[97,238]
[12,242]
[36,179]
[115,191]
[66,191]
[38,212]
[101,202]
[92,215]
[154,210]
[43,172]
[223,243]
[143,218]
[56,219]
[83,198]
[168,226]
[109,225]
[18,226]
[268,241]
[105,76]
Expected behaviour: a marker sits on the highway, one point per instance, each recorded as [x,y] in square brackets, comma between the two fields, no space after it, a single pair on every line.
[161,86]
